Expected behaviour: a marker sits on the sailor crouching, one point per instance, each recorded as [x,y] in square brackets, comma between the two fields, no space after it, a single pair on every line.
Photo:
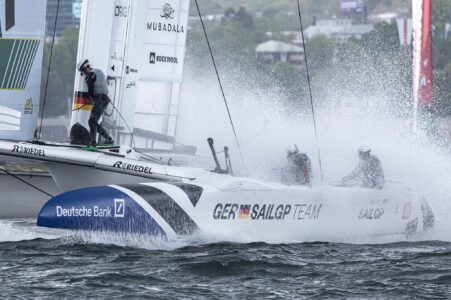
[368,172]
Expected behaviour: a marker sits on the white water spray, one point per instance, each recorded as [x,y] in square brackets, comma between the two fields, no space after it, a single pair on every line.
[264,130]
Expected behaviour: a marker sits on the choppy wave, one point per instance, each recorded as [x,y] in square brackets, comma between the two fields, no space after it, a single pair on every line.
[64,267]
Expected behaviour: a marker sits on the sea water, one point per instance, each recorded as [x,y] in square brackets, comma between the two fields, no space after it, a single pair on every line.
[42,264]
[38,262]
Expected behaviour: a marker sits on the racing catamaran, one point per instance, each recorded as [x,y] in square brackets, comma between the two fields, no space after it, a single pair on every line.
[117,191]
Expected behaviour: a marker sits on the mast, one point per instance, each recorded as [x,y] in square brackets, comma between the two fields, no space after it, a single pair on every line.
[422,57]
[140,45]
[94,42]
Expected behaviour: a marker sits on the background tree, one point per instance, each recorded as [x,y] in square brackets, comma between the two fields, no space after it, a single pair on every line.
[61,77]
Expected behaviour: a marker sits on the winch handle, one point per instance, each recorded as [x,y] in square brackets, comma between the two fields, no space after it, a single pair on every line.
[213,152]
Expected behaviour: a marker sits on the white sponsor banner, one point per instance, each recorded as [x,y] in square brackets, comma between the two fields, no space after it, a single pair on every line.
[166,22]
[164,40]
[162,63]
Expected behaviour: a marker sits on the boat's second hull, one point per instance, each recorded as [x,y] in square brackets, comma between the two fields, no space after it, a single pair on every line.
[20,200]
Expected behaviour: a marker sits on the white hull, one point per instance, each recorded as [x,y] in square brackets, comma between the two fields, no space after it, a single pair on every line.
[242,210]
[69,168]
[180,200]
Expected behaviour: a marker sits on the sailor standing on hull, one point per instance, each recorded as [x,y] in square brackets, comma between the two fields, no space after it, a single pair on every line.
[97,92]
[369,171]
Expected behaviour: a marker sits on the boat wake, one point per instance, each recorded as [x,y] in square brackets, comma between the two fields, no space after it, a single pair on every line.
[24,230]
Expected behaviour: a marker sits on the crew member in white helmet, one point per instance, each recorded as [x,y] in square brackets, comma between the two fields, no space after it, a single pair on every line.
[368,172]
[97,92]
[298,169]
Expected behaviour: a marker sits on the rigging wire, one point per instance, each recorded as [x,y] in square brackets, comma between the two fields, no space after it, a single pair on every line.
[220,84]
[151,158]
[310,91]
[27,183]
[126,124]
[48,70]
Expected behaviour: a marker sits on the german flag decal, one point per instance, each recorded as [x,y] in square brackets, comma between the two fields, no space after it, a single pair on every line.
[82,101]
[16,59]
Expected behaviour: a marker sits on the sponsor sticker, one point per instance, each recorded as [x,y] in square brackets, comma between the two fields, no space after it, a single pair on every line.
[121,11]
[154,58]
[28,107]
[167,12]
[132,167]
[276,212]
[370,213]
[119,208]
[244,211]
[130,85]
[129,70]
[95,211]
[28,150]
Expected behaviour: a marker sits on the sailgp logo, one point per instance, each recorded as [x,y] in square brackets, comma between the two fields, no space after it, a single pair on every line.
[167,12]
[119,208]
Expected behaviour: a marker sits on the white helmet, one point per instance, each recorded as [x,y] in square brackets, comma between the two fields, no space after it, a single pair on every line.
[81,66]
[364,152]
[364,149]
[292,149]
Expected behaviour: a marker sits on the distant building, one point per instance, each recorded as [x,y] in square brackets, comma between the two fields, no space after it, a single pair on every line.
[354,9]
[69,13]
[388,17]
[340,29]
[275,51]
[194,21]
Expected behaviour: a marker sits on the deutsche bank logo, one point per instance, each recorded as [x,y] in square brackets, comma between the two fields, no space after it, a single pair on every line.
[119,208]
[152,58]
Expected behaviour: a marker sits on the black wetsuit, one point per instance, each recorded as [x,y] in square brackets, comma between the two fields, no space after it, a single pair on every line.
[97,91]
